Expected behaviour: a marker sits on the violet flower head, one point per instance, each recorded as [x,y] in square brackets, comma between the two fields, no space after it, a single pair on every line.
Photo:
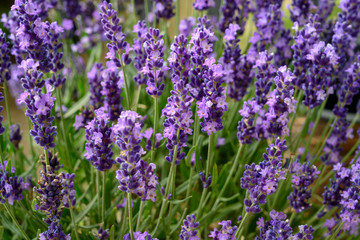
[301,10]
[226,232]
[247,130]
[2,128]
[5,62]
[237,70]
[303,176]
[213,104]
[140,55]
[188,229]
[278,227]
[103,234]
[140,236]
[135,175]
[154,68]
[15,135]
[95,78]
[98,145]
[112,84]
[164,8]
[71,8]
[262,180]
[186,26]
[201,5]
[234,12]
[201,41]
[113,32]
[11,186]
[54,232]
[178,110]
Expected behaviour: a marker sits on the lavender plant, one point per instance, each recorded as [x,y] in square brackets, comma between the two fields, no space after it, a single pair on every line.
[180,120]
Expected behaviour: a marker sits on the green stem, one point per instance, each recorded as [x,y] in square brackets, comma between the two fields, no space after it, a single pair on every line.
[134,9]
[126,87]
[146,6]
[353,122]
[139,216]
[30,140]
[292,216]
[7,102]
[207,172]
[123,219]
[301,94]
[73,221]
[177,20]
[318,183]
[98,192]
[59,95]
[196,127]
[6,205]
[46,157]
[137,97]
[128,202]
[103,197]
[333,236]
[234,166]
[352,150]
[239,230]
[156,119]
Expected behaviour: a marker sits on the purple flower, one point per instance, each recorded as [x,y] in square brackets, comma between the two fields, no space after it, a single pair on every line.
[164,9]
[15,135]
[5,62]
[188,229]
[186,26]
[303,176]
[201,5]
[234,12]
[54,232]
[11,187]
[262,180]
[113,32]
[140,236]
[140,55]
[103,234]
[99,143]
[178,110]
[301,10]
[237,70]
[154,68]
[95,78]
[226,231]
[2,128]
[276,228]
[135,175]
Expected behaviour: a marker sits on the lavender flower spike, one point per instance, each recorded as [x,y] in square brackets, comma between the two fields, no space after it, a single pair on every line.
[164,9]
[226,231]
[188,229]
[201,5]
[15,135]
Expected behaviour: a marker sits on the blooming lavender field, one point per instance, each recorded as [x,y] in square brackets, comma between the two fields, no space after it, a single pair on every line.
[172,119]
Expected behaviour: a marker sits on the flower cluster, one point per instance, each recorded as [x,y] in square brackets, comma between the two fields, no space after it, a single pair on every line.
[301,10]
[11,187]
[262,180]
[188,229]
[237,70]
[278,228]
[178,110]
[103,234]
[154,68]
[140,236]
[213,104]
[135,175]
[55,191]
[140,55]
[201,5]
[15,135]
[186,26]
[113,32]
[2,128]
[226,231]
[234,12]
[5,62]
[202,40]
[303,176]
[99,142]
[164,9]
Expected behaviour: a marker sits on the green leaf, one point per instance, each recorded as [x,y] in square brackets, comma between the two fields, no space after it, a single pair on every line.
[189,156]
[175,202]
[223,199]
[111,219]
[86,210]
[215,175]
[33,203]
[112,232]
[76,106]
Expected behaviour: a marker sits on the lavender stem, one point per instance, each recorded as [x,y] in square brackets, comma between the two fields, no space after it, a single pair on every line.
[128,202]
[6,205]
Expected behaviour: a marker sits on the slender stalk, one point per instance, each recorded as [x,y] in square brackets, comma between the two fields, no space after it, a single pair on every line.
[46,157]
[177,18]
[300,96]
[207,172]
[323,142]
[323,134]
[352,150]
[73,221]
[59,95]
[6,206]
[156,119]
[134,9]
[128,202]
[189,186]
[7,102]
[137,97]
[139,215]
[123,219]
[318,183]
[98,192]
[146,6]
[103,197]
[234,166]
[333,236]
[292,216]
[30,140]
[239,230]
[353,122]
[196,127]
[126,86]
